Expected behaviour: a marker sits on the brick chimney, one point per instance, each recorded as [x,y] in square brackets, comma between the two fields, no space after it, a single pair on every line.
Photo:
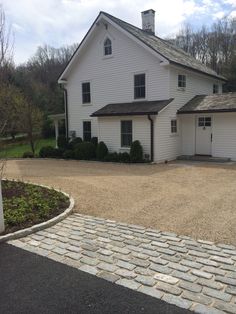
[148,21]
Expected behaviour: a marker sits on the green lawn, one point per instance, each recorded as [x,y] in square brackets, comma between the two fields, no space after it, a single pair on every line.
[16,150]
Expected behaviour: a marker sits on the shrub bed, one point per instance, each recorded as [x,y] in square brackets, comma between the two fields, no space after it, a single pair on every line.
[26,204]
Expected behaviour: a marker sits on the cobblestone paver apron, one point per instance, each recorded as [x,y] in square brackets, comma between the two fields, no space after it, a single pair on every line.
[196,275]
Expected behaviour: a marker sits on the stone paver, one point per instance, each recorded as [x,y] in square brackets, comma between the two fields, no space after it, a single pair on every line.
[196,275]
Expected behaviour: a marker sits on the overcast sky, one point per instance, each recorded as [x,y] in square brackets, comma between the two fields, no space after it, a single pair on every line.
[63,22]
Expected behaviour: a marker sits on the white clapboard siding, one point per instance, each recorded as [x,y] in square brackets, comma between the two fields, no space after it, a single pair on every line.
[169,146]
[112,79]
[224,135]
[110,132]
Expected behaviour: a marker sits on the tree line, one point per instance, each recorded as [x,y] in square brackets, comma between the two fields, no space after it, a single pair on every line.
[214,46]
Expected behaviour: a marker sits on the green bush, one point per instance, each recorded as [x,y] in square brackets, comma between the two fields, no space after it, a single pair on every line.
[74,142]
[111,157]
[101,150]
[50,152]
[62,142]
[46,151]
[68,154]
[85,151]
[136,152]
[94,140]
[28,155]
[124,157]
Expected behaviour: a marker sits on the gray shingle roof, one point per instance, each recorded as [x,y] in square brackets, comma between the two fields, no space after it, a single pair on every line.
[212,103]
[132,108]
[173,54]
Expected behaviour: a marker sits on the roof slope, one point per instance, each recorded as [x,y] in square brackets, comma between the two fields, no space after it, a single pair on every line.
[212,103]
[166,49]
[132,108]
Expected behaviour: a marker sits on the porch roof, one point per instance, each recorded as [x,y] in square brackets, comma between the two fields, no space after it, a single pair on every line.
[225,102]
[136,108]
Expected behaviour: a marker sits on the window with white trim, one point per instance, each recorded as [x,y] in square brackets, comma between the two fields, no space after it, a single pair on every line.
[181,80]
[86,93]
[139,86]
[215,88]
[107,47]
[126,133]
[173,126]
[87,134]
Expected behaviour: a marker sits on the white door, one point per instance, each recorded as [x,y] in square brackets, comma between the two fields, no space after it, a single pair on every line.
[203,135]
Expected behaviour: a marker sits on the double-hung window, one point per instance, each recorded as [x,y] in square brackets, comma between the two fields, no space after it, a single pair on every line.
[126,133]
[173,126]
[215,88]
[139,86]
[181,81]
[86,93]
[87,134]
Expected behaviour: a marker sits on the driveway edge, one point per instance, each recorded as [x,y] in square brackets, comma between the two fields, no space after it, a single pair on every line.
[43,225]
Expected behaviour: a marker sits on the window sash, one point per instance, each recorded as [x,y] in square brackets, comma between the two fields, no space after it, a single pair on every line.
[204,121]
[174,126]
[181,80]
[87,134]
[139,86]
[126,133]
[215,88]
[86,93]
[107,47]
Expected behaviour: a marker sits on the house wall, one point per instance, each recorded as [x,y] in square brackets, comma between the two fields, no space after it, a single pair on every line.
[168,146]
[223,134]
[112,79]
[109,131]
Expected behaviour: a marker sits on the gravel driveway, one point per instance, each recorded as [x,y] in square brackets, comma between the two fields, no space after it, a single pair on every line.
[198,200]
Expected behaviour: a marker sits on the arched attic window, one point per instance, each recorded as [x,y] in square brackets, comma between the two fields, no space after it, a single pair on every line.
[107,47]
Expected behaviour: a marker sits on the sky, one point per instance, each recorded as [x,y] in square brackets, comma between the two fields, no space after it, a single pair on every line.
[64,22]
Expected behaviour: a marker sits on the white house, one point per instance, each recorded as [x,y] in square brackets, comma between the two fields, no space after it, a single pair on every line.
[124,83]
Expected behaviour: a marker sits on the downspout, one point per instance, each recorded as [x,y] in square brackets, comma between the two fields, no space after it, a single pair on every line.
[151,137]
[66,110]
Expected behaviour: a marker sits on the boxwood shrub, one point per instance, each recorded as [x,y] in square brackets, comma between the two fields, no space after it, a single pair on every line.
[101,151]
[85,151]
[136,152]
[74,142]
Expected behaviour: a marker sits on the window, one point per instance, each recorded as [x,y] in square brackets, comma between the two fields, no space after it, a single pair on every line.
[139,86]
[107,47]
[204,121]
[181,80]
[126,133]
[215,88]
[86,95]
[174,126]
[87,131]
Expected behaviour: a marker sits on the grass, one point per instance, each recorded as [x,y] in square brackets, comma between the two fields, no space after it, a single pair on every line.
[16,149]
[27,204]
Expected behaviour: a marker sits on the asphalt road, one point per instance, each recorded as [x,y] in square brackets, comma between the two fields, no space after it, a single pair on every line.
[33,284]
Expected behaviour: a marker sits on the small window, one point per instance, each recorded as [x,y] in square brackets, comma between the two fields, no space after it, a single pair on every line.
[86,95]
[215,88]
[126,133]
[204,121]
[107,47]
[181,80]
[174,126]
[139,86]
[87,131]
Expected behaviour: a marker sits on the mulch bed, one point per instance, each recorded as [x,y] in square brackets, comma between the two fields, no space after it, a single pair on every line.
[25,205]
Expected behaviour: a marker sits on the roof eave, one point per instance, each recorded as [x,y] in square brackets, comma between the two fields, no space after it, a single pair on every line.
[207,111]
[124,114]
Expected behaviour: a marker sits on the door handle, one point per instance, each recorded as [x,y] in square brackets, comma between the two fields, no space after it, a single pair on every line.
[211,137]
